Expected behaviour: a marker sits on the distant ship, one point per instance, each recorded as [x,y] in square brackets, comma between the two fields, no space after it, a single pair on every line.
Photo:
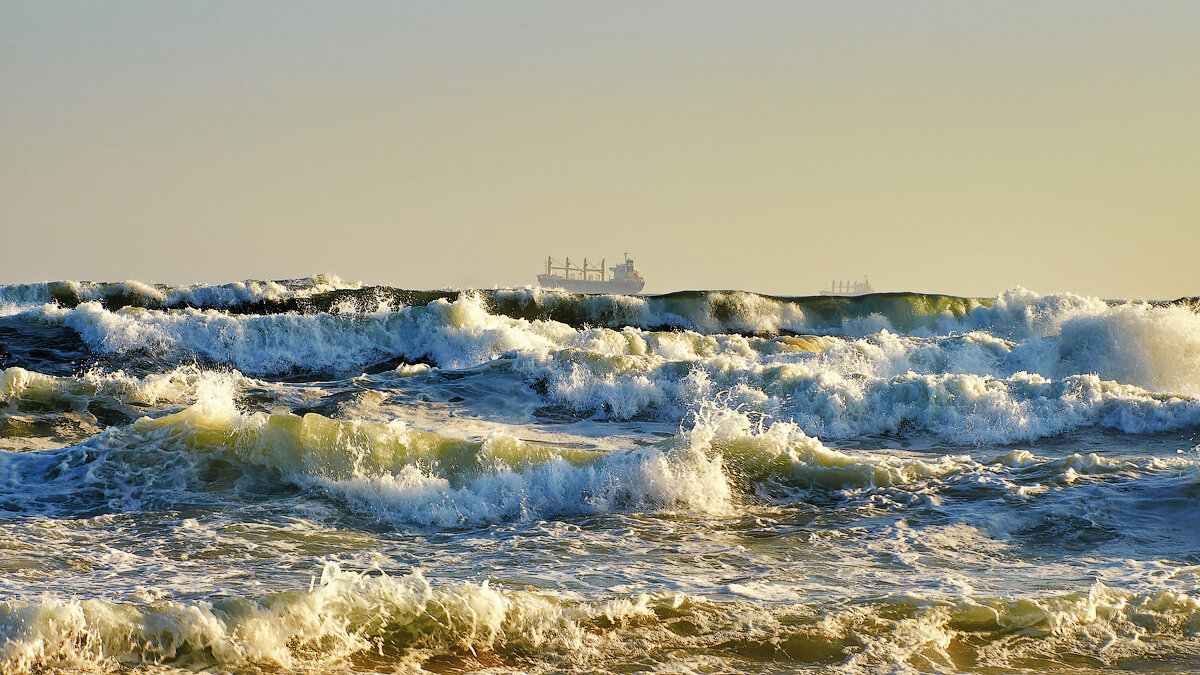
[849,287]
[625,280]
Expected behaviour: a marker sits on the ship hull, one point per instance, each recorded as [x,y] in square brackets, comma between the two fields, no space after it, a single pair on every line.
[591,287]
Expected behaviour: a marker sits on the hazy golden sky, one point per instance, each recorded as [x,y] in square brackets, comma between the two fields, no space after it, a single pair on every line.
[962,147]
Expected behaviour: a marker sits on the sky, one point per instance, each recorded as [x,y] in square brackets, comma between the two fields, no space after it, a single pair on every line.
[936,146]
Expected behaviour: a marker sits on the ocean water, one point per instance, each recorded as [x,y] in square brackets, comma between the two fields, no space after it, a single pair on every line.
[316,476]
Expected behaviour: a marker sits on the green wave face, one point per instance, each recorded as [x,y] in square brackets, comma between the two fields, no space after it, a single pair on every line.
[704,311]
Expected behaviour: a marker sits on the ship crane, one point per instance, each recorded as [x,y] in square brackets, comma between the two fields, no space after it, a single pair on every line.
[593,279]
[849,287]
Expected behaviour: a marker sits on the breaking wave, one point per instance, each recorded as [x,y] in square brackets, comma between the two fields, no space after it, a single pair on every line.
[1021,367]
[713,481]
[392,473]
[115,295]
[366,620]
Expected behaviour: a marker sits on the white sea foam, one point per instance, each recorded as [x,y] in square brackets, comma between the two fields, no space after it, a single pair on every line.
[723,523]
[455,334]
[18,385]
[386,470]
[348,613]
[398,474]
[1154,347]
[354,620]
[1030,366]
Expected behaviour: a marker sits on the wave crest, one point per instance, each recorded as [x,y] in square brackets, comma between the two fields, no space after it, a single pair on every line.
[363,621]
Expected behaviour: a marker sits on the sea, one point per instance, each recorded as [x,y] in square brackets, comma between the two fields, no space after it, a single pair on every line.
[318,476]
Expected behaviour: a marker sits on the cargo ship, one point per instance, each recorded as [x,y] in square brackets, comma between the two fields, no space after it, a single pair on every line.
[844,288]
[593,279]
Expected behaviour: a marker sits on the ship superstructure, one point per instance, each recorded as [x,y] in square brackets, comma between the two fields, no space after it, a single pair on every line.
[593,279]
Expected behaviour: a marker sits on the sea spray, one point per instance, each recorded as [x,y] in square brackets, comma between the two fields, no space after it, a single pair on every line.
[351,619]
[315,475]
